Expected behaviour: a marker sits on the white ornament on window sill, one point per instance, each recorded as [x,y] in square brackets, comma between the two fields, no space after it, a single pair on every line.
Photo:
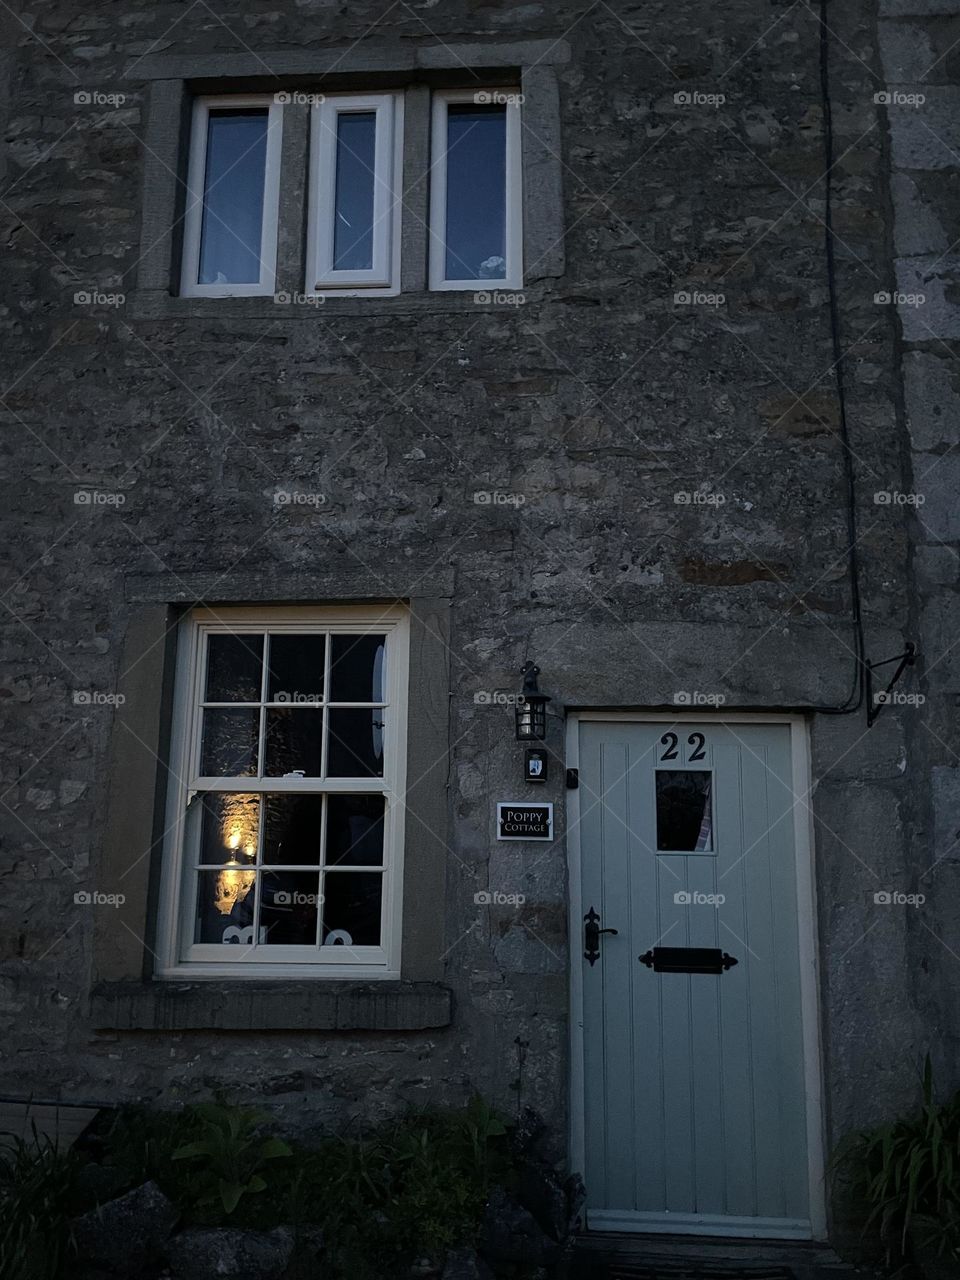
[233,933]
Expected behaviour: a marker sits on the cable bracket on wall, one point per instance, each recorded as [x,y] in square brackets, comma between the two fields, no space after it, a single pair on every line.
[876,702]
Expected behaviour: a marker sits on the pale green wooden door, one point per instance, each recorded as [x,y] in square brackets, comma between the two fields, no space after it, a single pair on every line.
[695,1111]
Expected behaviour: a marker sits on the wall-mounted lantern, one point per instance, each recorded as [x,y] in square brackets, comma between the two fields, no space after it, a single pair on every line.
[531,709]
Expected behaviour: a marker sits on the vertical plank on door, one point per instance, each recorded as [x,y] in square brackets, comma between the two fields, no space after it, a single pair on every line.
[647,929]
[706,993]
[620,1121]
[736,1053]
[594,1020]
[784,907]
[677,1012]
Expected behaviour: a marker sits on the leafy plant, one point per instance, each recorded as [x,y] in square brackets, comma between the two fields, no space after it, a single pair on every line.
[36,1181]
[231,1154]
[137,1145]
[412,1187]
[906,1175]
[416,1186]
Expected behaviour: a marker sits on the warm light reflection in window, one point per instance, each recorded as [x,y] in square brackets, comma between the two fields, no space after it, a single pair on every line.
[233,885]
[240,822]
[239,829]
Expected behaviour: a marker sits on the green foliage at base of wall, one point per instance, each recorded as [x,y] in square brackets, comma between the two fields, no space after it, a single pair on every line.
[903,1179]
[414,1187]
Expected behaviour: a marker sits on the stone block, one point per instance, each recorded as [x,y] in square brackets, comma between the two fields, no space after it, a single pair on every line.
[465,1264]
[228,1253]
[511,1236]
[940,626]
[936,478]
[927,135]
[906,52]
[932,396]
[918,226]
[946,812]
[929,301]
[127,1233]
[919,8]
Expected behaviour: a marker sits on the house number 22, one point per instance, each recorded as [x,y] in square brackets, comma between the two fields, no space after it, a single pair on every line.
[696,740]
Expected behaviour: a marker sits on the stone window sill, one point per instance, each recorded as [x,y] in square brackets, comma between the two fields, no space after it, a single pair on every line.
[157,304]
[270,1006]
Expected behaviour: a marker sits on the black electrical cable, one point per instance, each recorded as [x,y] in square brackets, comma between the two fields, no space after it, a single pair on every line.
[855,699]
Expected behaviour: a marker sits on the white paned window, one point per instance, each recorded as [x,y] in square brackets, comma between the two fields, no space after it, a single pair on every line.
[285,813]
[353,234]
[233,184]
[476,190]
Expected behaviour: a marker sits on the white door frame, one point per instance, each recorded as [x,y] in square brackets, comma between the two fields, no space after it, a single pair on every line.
[807,933]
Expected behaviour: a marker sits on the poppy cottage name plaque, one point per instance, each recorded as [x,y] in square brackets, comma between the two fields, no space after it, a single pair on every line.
[519,821]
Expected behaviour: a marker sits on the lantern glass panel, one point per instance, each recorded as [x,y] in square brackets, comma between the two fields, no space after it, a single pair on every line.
[531,719]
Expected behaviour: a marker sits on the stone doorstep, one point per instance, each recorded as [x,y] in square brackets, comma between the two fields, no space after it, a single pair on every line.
[593,1255]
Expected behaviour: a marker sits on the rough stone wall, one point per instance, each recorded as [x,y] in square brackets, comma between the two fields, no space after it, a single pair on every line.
[599,402]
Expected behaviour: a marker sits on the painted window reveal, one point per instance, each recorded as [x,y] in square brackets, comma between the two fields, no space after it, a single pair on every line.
[230,219]
[475,224]
[684,810]
[289,832]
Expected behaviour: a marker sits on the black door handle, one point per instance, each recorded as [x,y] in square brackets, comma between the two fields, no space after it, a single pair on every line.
[591,936]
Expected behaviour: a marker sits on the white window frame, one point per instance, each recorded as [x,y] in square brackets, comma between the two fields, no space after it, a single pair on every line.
[513,279]
[193,216]
[383,278]
[178,955]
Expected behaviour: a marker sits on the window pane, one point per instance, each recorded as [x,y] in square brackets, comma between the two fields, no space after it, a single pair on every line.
[684,817]
[356,668]
[293,744]
[229,827]
[476,230]
[230,742]
[233,197]
[355,745]
[351,908]
[234,666]
[296,668]
[289,905]
[293,829]
[355,830]
[353,211]
[225,905]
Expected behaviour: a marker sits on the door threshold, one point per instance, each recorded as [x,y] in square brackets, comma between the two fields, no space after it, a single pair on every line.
[699,1225]
[681,1242]
[612,1255]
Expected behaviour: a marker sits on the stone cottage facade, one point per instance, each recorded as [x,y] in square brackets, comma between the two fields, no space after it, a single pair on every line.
[356,356]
